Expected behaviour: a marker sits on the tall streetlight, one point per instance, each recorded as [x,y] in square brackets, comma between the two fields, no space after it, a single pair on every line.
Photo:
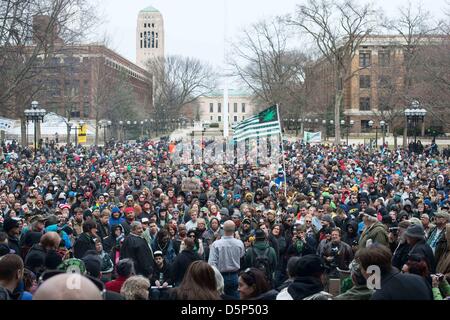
[121,129]
[105,124]
[324,123]
[383,125]
[348,126]
[125,131]
[414,115]
[35,115]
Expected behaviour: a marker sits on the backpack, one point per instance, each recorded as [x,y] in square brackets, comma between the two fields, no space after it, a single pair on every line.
[262,262]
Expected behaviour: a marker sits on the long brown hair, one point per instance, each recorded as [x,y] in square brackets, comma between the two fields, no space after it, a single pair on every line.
[199,283]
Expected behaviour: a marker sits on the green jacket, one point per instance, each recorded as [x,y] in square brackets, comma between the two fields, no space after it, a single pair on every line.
[356,293]
[377,232]
[260,247]
[441,292]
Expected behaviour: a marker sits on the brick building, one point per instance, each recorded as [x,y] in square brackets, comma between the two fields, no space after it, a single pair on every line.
[376,84]
[75,76]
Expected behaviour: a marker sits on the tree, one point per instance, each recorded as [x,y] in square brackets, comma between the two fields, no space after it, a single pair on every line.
[265,62]
[178,81]
[414,26]
[31,33]
[114,99]
[336,28]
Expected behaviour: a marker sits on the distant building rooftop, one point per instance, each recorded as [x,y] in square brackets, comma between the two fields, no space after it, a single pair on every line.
[149,9]
[231,93]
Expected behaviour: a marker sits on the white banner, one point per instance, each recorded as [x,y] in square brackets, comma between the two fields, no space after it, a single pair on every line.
[309,137]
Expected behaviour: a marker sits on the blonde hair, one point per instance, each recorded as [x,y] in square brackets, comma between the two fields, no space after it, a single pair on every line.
[135,288]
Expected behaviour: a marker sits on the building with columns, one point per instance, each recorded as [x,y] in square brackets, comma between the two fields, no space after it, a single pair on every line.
[240,106]
[149,36]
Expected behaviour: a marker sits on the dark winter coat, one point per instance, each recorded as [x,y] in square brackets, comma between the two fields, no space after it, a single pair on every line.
[137,249]
[181,263]
[84,243]
[400,255]
[423,249]
[402,286]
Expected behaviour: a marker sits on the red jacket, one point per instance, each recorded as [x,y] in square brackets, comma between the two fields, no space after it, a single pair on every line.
[115,285]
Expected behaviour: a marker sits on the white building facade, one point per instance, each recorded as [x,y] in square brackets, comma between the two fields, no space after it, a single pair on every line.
[240,106]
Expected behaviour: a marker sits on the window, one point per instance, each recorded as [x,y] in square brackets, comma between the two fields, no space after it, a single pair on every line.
[54,88]
[86,109]
[219,107]
[384,58]
[141,44]
[243,108]
[235,118]
[385,81]
[71,88]
[211,107]
[145,25]
[219,118]
[85,87]
[365,126]
[156,41]
[364,103]
[235,107]
[243,118]
[211,118]
[145,39]
[153,25]
[74,111]
[153,39]
[364,82]
[364,59]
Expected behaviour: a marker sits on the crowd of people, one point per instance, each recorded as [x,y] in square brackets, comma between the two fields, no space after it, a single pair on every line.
[117,220]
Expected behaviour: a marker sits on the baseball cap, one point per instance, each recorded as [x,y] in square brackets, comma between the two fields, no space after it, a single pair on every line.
[371,212]
[144,220]
[158,253]
[129,197]
[72,194]
[9,224]
[308,265]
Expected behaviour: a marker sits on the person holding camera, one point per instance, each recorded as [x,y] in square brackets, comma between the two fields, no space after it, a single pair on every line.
[301,243]
[441,287]
[336,254]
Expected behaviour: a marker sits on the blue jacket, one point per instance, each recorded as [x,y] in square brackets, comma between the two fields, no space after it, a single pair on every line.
[113,221]
[64,236]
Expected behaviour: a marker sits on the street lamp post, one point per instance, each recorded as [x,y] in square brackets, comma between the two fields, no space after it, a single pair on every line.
[324,123]
[121,130]
[347,126]
[35,115]
[383,130]
[414,115]
[125,130]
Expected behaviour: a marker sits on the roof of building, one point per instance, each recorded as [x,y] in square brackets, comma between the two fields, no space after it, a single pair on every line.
[149,9]
[231,93]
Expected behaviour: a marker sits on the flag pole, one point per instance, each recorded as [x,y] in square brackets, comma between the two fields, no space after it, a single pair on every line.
[282,151]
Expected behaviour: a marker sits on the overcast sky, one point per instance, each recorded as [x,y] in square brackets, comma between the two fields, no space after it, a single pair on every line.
[196,27]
